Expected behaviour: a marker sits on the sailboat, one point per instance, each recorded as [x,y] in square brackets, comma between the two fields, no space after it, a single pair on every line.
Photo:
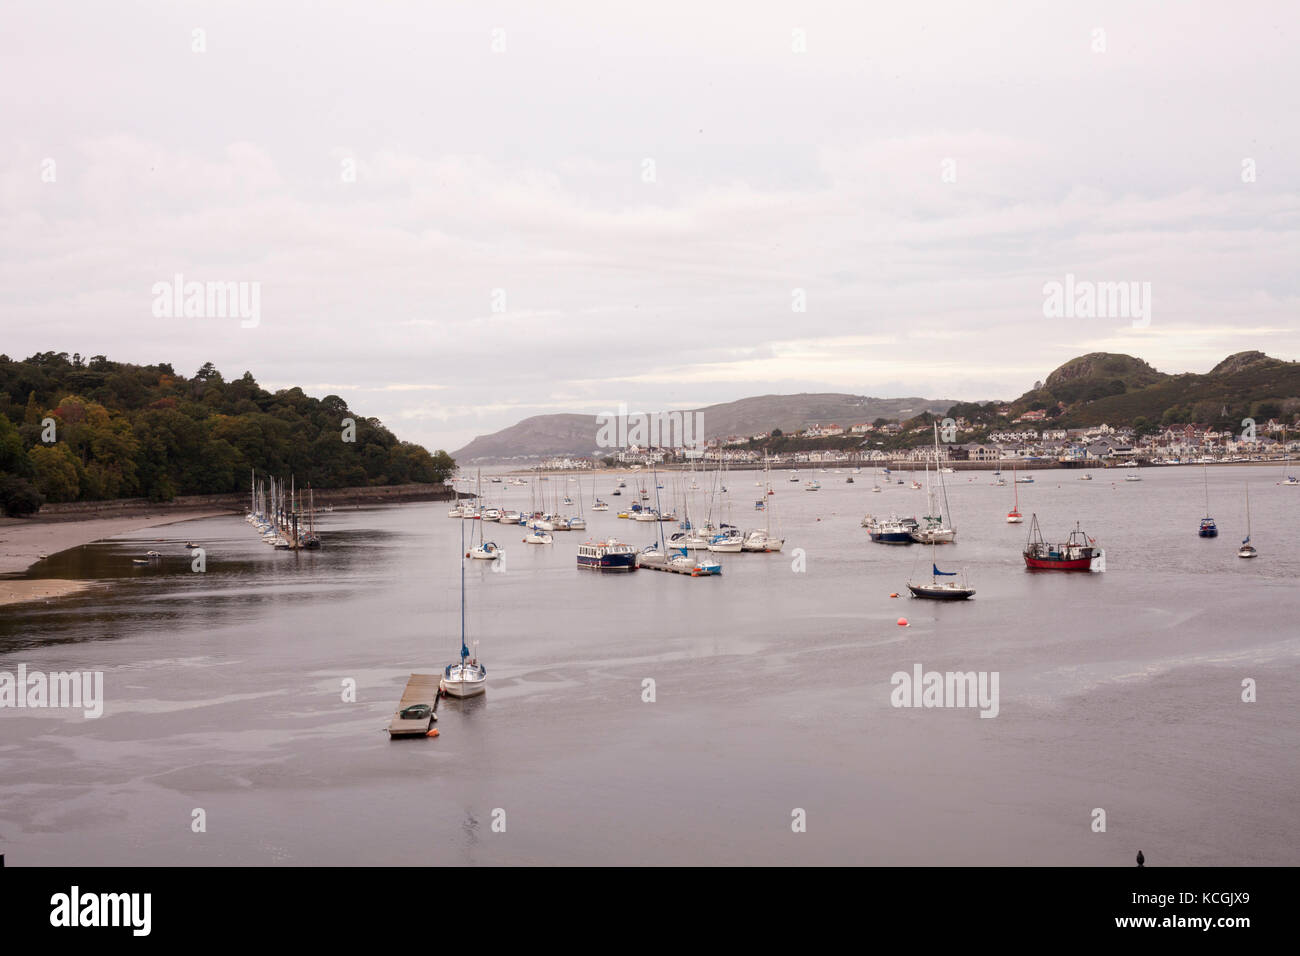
[934,530]
[1014,516]
[485,550]
[311,540]
[469,677]
[1132,474]
[762,539]
[1287,479]
[938,590]
[1208,528]
[1247,550]
[580,522]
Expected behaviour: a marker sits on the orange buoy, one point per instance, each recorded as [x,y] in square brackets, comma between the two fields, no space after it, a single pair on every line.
[432,733]
[894,594]
[902,622]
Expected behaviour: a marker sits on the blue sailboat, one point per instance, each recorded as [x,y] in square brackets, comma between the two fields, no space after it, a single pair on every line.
[938,590]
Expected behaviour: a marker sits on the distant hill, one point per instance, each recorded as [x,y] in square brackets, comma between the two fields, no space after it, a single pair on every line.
[1123,390]
[545,435]
[1098,387]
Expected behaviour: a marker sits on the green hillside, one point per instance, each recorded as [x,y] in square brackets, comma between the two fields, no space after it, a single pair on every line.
[1123,390]
[125,431]
[1248,384]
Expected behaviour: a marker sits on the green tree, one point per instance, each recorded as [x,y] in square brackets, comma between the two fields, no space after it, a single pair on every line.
[54,471]
[12,458]
[18,497]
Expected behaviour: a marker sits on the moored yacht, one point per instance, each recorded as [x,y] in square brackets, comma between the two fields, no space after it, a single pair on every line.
[487,551]
[727,541]
[762,540]
[891,530]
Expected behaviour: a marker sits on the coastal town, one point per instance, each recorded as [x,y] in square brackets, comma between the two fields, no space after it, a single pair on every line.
[1028,438]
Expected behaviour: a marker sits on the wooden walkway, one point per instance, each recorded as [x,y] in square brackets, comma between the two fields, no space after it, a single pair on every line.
[420,689]
[656,563]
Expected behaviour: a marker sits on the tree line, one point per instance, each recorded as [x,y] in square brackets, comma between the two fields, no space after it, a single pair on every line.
[74,429]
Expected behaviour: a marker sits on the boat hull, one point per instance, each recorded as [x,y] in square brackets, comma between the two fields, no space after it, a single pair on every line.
[892,537]
[463,680]
[943,536]
[935,593]
[1058,564]
[609,563]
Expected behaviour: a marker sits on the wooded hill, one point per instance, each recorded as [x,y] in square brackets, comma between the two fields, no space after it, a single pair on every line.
[1104,387]
[124,431]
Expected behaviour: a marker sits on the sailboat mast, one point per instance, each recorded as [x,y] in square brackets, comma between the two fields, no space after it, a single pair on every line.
[663,546]
[464,651]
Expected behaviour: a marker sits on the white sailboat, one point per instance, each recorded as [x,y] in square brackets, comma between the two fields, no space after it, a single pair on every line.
[468,677]
[762,539]
[935,529]
[486,550]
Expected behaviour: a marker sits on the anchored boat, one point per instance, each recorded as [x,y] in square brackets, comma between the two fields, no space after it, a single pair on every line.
[1014,516]
[891,530]
[1075,554]
[1247,550]
[1208,528]
[607,555]
[468,677]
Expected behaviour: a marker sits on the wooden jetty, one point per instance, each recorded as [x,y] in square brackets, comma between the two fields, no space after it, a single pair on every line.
[661,563]
[421,691]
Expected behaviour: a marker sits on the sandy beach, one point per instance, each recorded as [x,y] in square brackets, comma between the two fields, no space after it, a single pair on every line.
[24,540]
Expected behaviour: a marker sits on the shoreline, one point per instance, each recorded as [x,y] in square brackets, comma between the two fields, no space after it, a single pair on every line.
[22,590]
[25,541]
[894,465]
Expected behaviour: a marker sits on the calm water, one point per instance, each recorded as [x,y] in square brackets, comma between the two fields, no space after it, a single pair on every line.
[1118,690]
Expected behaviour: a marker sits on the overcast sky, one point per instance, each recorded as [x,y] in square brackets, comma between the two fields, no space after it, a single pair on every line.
[1114,156]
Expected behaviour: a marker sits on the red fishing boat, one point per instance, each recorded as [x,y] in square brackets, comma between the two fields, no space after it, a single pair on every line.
[1076,554]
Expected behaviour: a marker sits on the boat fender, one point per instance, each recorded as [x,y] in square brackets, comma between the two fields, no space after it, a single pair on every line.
[432,733]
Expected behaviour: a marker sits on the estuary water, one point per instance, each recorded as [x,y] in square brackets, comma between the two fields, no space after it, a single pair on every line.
[1120,691]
